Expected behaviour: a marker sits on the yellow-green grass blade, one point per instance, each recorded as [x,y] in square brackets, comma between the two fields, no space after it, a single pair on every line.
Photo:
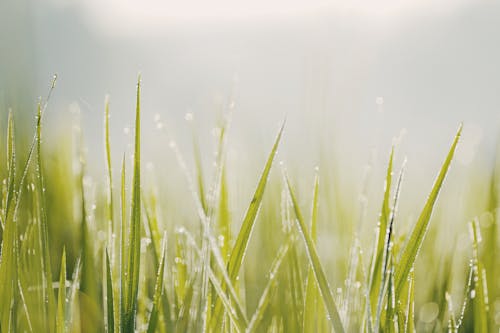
[11,167]
[230,302]
[479,294]
[199,174]
[72,297]
[296,289]
[239,249]
[153,318]
[110,320]
[240,246]
[387,250]
[123,247]
[224,220]
[266,296]
[391,318]
[8,264]
[109,197]
[412,247]
[48,293]
[410,307]
[235,312]
[311,307]
[134,231]
[315,263]
[185,306]
[152,225]
[380,243]
[452,323]
[61,297]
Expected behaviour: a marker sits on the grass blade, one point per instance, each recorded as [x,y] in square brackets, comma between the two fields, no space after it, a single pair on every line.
[315,263]
[47,292]
[479,294]
[134,242]
[153,318]
[313,310]
[378,254]
[109,198]
[61,297]
[414,243]
[240,246]
[271,283]
[410,307]
[109,297]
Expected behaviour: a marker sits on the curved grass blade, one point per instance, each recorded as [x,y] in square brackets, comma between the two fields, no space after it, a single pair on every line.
[315,263]
[414,243]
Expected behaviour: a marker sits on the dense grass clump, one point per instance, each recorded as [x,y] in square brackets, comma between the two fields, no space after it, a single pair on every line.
[102,257]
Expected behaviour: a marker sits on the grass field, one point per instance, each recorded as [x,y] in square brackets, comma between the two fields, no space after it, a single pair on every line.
[79,255]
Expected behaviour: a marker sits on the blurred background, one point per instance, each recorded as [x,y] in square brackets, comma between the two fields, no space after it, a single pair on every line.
[351,77]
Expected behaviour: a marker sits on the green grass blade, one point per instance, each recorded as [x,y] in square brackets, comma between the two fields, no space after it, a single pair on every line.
[235,310]
[414,243]
[310,319]
[391,319]
[387,251]
[123,247]
[239,249]
[452,323]
[479,294]
[153,318]
[48,293]
[271,283]
[410,307]
[240,246]
[315,263]
[109,198]
[109,297]
[61,297]
[134,242]
[11,165]
[72,297]
[378,254]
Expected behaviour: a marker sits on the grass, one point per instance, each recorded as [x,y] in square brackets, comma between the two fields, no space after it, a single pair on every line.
[218,273]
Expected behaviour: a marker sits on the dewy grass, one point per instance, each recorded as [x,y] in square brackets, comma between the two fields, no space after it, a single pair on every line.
[108,269]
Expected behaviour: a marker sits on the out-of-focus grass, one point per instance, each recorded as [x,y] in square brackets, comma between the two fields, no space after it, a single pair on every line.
[80,255]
